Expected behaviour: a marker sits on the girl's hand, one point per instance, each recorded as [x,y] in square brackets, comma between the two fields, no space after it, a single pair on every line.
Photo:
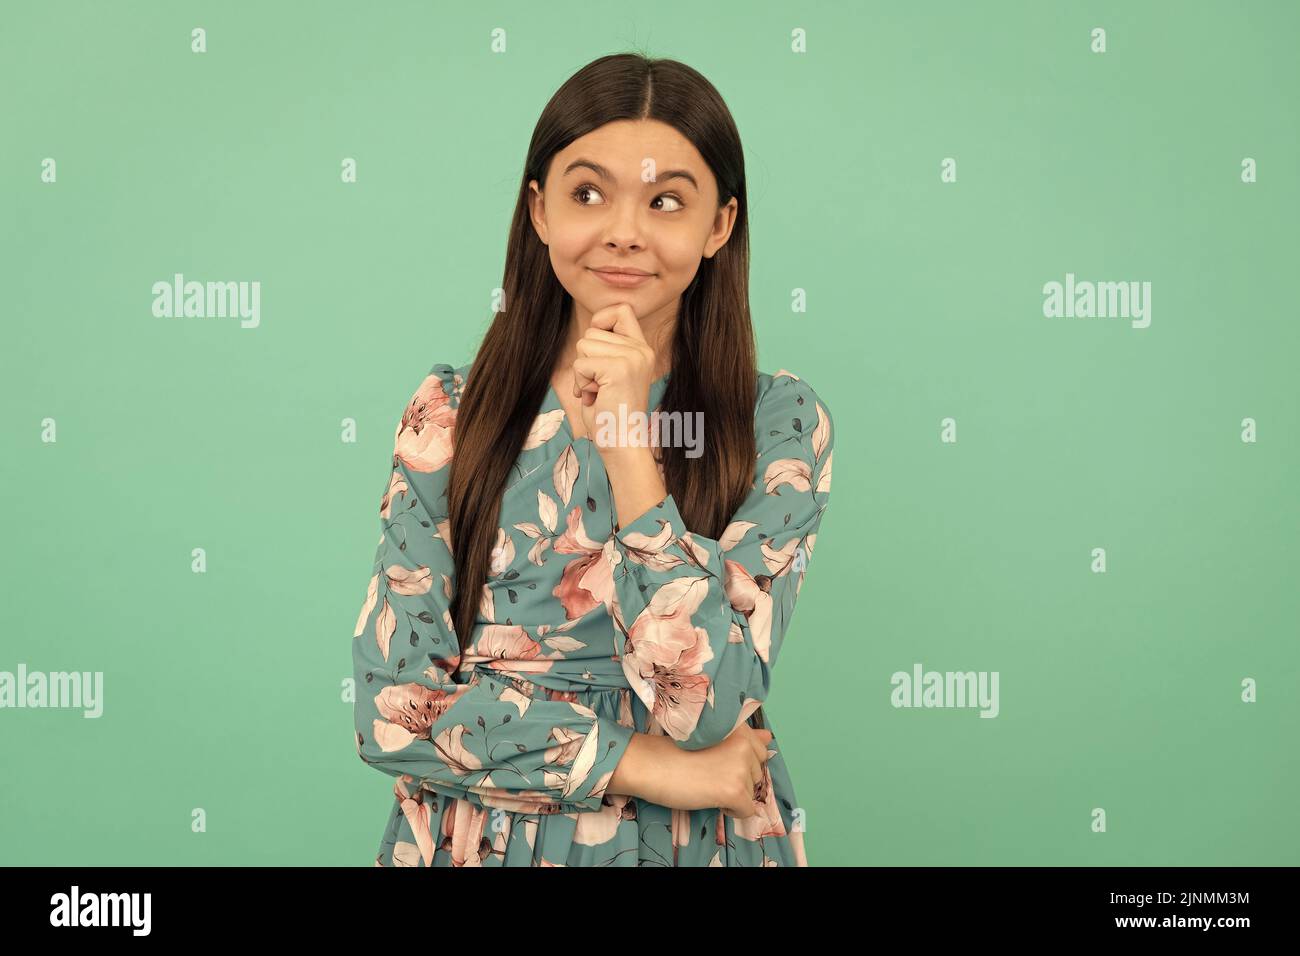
[614,368]
[723,775]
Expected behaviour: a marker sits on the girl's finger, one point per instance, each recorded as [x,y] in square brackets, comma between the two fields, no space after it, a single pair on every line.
[601,347]
[618,318]
[600,334]
[601,369]
[591,372]
[581,381]
[587,392]
[593,368]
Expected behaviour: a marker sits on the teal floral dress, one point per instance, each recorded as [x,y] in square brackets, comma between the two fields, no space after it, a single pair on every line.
[586,634]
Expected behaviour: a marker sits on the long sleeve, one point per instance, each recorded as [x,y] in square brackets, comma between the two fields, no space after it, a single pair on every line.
[468,735]
[705,618]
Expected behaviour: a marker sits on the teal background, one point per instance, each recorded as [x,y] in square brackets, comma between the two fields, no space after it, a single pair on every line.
[223,690]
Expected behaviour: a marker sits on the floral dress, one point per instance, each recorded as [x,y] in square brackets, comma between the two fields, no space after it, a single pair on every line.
[586,633]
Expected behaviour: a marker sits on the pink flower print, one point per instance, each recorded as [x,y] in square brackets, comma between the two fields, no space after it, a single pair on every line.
[595,829]
[505,647]
[665,654]
[587,581]
[751,597]
[416,811]
[413,707]
[462,828]
[424,438]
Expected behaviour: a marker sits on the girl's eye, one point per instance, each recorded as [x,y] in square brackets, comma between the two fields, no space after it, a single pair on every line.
[579,194]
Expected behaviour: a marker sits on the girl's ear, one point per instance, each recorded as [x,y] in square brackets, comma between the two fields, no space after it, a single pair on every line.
[537,210]
[722,223]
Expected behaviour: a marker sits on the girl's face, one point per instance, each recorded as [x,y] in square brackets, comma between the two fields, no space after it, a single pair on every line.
[632,194]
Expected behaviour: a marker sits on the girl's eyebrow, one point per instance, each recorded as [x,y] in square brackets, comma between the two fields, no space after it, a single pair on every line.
[604,173]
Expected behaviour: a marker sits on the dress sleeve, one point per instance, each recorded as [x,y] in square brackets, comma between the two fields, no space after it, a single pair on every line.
[705,617]
[463,734]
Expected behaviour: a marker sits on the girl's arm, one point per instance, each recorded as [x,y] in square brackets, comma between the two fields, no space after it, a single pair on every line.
[706,617]
[417,716]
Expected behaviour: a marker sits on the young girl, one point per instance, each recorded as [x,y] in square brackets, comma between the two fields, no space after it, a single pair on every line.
[572,623]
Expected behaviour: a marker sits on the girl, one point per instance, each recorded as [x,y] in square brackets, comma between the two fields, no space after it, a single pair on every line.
[572,624]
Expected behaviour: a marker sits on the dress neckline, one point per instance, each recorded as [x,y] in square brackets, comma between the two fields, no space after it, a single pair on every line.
[552,402]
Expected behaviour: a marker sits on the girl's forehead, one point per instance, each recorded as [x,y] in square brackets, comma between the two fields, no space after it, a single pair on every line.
[634,139]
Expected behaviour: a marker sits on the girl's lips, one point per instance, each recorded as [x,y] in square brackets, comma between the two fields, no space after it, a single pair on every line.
[621,279]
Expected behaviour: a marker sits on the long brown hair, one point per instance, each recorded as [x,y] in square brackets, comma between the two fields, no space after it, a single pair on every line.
[713,354]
